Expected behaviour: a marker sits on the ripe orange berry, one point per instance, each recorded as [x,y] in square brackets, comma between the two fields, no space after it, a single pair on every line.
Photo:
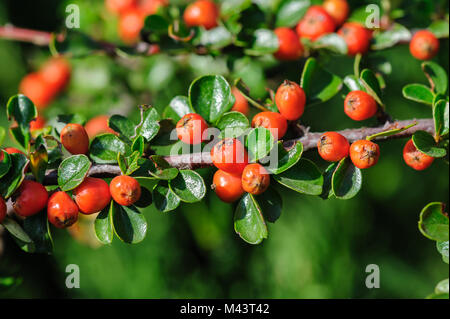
[37,90]
[148,7]
[274,122]
[415,158]
[30,198]
[241,103]
[125,190]
[56,73]
[360,106]
[290,100]
[75,139]
[356,37]
[228,187]
[37,124]
[255,179]
[364,153]
[203,13]
[92,195]
[98,125]
[190,129]
[337,9]
[424,45]
[12,150]
[230,156]
[3,208]
[131,23]
[315,23]
[62,211]
[333,147]
[119,6]
[290,47]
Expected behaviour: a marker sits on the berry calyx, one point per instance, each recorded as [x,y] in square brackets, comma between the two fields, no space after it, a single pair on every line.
[356,37]
[315,23]
[62,211]
[230,156]
[3,208]
[241,103]
[37,124]
[337,9]
[125,190]
[290,47]
[364,153]
[274,122]
[191,128]
[424,45]
[98,125]
[333,147]
[415,158]
[92,195]
[360,106]
[290,100]
[255,179]
[75,139]
[228,187]
[30,198]
[203,13]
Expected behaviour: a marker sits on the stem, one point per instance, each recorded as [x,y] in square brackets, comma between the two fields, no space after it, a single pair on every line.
[11,32]
[253,102]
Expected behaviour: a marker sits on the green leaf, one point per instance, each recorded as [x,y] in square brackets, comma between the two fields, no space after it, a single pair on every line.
[210,97]
[37,228]
[249,222]
[104,225]
[271,204]
[146,198]
[149,125]
[64,119]
[5,163]
[286,158]
[188,186]
[259,143]
[39,163]
[304,178]
[290,12]
[442,287]
[233,7]
[72,171]
[425,143]
[16,230]
[129,223]
[158,167]
[216,38]
[418,93]
[12,180]
[439,28]
[180,105]
[327,190]
[123,126]
[2,135]
[347,180]
[21,137]
[128,164]
[390,132]
[156,24]
[331,42]
[264,42]
[21,109]
[164,198]
[442,247]
[353,83]
[105,147]
[138,145]
[372,85]
[441,118]
[232,124]
[386,39]
[437,76]
[319,84]
[433,222]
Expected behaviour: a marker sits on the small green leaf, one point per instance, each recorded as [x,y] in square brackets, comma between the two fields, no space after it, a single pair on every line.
[418,93]
[286,158]
[39,163]
[216,38]
[437,76]
[347,180]
[271,204]
[188,186]
[387,39]
[21,109]
[304,178]
[129,223]
[123,126]
[442,247]
[441,118]
[390,132]
[353,83]
[128,164]
[2,135]
[264,42]
[37,228]
[372,85]
[249,222]
[16,230]
[158,167]
[439,28]
[149,125]
[433,222]
[180,105]
[259,143]
[103,224]
[72,171]
[290,12]
[138,145]
[12,180]
[105,147]
[164,198]
[331,42]
[425,143]
[232,124]
[146,198]
[5,163]
[442,287]
[327,191]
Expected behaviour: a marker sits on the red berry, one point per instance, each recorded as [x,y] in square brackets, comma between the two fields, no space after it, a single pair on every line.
[364,153]
[274,122]
[148,7]
[12,150]
[98,125]
[125,190]
[92,195]
[290,100]
[255,179]
[130,24]
[75,139]
[290,47]
[30,198]
[337,9]
[56,73]
[356,37]
[241,103]
[360,106]
[3,208]
[230,156]
[62,211]
[415,158]
[315,23]
[228,187]
[37,90]
[424,45]
[37,124]
[333,147]
[191,129]
[203,13]
[119,6]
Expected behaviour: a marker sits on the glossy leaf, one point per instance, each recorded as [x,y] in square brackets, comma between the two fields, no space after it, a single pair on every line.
[290,12]
[440,28]
[180,105]
[304,178]
[327,190]
[164,198]
[138,145]
[104,148]
[12,180]
[346,180]
[16,230]
[39,163]
[188,186]
[286,158]
[72,171]
[425,143]
[159,168]
[128,164]
[249,222]
[104,225]
[418,93]
[21,109]
[5,163]
[129,223]
[149,125]
[437,76]
[390,132]
[395,34]
[433,222]
[271,204]
[353,83]
[37,228]
[215,38]
[331,42]
[232,124]
[259,143]
[372,85]
[441,118]
[122,125]
[264,42]
[442,247]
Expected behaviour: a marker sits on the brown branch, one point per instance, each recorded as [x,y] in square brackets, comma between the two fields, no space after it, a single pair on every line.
[11,32]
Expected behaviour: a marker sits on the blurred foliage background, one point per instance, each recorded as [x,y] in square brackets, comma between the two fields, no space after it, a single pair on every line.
[317,249]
